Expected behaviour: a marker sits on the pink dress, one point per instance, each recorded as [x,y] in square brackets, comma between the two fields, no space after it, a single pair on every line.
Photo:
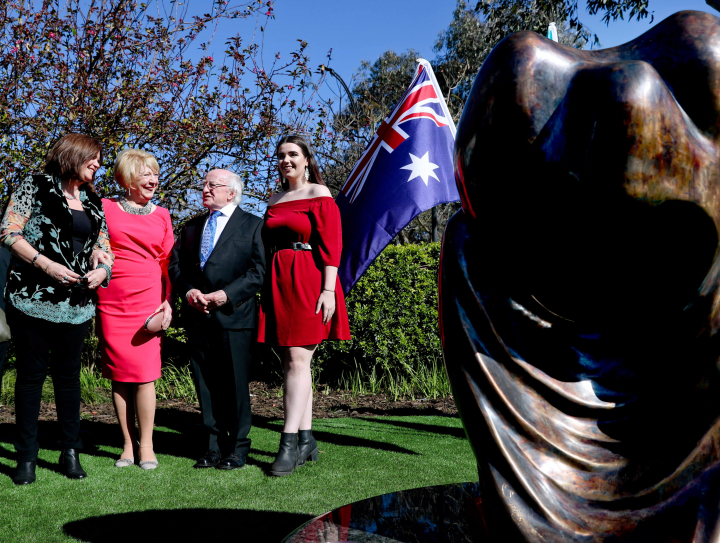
[142,245]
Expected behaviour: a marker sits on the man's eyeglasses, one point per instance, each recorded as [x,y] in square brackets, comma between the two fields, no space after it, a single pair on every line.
[212,186]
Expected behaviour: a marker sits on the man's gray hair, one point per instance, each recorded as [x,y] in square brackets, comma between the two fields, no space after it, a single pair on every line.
[234,184]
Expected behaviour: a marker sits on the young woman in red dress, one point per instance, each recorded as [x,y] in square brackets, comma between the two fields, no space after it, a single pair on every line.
[302,301]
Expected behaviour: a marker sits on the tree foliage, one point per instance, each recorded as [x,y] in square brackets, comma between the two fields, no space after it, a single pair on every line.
[616,9]
[376,88]
[564,10]
[473,33]
[148,76]
[503,17]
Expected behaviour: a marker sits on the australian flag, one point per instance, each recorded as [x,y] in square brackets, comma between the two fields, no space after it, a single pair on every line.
[406,169]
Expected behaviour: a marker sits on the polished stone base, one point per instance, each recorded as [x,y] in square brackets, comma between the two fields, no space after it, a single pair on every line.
[434,514]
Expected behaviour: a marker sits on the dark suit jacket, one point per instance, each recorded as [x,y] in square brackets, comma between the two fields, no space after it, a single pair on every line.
[236,265]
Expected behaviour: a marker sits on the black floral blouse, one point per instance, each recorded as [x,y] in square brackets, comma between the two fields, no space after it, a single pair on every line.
[39,214]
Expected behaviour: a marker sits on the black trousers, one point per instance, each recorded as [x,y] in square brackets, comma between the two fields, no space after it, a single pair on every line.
[220,361]
[39,345]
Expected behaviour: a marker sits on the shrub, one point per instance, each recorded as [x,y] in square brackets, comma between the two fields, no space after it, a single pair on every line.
[393,318]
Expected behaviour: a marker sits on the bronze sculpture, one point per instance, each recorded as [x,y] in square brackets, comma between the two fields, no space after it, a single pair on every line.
[579,286]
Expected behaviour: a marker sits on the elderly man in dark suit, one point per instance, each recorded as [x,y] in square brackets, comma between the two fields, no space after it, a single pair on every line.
[217,266]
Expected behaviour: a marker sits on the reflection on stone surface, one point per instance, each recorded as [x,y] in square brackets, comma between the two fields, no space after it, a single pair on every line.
[580,299]
[437,514]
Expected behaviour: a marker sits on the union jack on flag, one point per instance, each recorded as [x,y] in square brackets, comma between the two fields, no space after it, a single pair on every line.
[406,169]
[415,104]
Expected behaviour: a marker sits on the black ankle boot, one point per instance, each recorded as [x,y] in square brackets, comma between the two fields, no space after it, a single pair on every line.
[287,458]
[307,447]
[70,464]
[25,473]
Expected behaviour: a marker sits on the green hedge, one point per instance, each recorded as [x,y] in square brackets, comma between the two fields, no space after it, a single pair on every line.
[393,318]
[393,321]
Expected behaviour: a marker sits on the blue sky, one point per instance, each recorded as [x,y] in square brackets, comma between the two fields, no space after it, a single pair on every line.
[363,30]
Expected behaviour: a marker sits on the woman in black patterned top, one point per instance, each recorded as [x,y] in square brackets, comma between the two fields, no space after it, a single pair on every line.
[55,228]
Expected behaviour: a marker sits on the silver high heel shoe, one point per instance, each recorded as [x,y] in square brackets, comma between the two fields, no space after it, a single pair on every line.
[148,464]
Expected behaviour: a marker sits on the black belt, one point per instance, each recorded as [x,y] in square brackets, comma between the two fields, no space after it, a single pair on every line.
[294,245]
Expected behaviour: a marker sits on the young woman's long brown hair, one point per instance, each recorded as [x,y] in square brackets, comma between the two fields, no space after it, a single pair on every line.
[313,167]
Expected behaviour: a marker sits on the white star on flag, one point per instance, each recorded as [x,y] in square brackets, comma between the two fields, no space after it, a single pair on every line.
[421,167]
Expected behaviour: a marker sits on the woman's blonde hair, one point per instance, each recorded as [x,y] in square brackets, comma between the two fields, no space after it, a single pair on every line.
[129,162]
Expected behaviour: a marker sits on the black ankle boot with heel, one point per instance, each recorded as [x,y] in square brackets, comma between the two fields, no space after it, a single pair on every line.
[307,447]
[25,473]
[70,464]
[287,458]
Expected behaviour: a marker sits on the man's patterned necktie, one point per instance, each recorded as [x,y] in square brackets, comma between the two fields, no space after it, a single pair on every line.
[208,239]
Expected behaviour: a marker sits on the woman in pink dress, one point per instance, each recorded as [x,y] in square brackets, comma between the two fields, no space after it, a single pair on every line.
[141,238]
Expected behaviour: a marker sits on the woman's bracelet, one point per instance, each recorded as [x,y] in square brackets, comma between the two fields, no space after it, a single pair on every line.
[50,262]
[34,259]
[108,271]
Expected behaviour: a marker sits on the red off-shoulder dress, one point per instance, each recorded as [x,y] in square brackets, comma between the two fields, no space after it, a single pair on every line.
[294,279]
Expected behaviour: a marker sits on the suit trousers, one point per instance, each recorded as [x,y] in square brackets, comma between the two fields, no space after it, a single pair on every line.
[220,361]
[39,345]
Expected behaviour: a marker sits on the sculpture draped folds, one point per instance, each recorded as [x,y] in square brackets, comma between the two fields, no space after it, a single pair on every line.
[579,286]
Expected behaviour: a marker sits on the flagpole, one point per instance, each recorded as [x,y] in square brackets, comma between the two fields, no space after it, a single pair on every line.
[443,104]
[433,212]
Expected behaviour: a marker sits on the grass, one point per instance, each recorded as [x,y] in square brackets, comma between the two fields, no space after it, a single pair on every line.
[360,458]
[176,383]
[424,382]
[93,387]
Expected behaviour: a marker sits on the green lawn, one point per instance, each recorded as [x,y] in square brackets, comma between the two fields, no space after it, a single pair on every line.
[359,458]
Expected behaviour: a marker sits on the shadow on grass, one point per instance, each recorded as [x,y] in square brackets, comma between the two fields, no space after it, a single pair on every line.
[186,525]
[338,439]
[430,428]
[190,442]
[10,471]
[94,435]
